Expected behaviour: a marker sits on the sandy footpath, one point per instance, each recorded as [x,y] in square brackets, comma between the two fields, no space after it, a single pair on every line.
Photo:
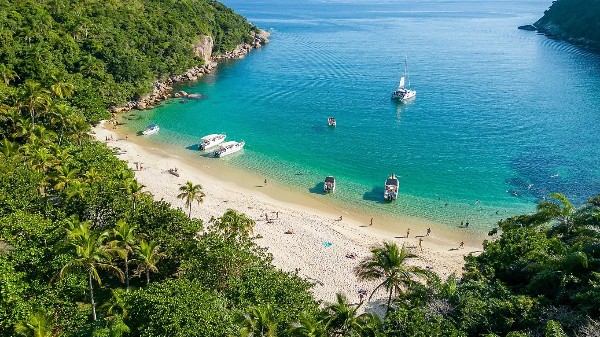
[320,242]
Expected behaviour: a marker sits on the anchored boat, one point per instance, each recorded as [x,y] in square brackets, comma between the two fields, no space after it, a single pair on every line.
[152,128]
[209,141]
[227,148]
[331,121]
[404,93]
[329,185]
[391,188]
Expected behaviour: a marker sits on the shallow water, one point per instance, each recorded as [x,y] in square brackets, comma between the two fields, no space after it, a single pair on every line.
[502,116]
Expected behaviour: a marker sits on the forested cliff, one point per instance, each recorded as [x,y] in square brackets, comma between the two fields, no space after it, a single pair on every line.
[109,50]
[577,21]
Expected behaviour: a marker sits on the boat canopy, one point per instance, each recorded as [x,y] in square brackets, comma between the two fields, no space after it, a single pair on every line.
[152,126]
[391,181]
[330,179]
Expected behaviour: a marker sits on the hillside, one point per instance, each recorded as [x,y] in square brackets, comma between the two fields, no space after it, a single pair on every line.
[573,20]
[110,51]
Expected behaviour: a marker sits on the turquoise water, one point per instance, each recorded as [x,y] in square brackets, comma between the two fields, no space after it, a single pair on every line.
[502,116]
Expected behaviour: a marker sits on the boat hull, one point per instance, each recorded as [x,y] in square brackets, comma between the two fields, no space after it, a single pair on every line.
[149,132]
[207,145]
[229,150]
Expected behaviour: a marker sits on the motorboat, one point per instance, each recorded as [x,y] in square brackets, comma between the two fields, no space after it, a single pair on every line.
[227,148]
[331,121]
[329,185]
[152,128]
[403,93]
[391,188]
[209,141]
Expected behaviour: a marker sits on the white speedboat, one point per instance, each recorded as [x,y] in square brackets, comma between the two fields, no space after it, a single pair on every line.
[227,148]
[331,121]
[329,185]
[391,188]
[209,141]
[152,128]
[404,93]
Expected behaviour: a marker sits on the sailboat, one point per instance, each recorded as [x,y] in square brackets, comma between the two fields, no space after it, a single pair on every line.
[403,93]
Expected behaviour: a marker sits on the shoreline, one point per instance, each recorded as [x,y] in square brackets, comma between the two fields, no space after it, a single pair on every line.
[313,222]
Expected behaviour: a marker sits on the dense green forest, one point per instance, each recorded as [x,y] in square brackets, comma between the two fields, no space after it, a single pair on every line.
[573,20]
[109,50]
[85,251]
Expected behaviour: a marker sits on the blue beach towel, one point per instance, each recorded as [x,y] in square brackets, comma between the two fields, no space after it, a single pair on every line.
[327,244]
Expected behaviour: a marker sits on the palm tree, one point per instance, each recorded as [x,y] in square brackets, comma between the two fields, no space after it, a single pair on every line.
[340,316]
[64,175]
[307,326]
[259,322]
[133,188]
[116,305]
[369,325]
[191,193]
[233,223]
[62,89]
[8,148]
[389,263]
[149,255]
[90,256]
[35,97]
[561,210]
[77,189]
[7,74]
[125,240]
[39,324]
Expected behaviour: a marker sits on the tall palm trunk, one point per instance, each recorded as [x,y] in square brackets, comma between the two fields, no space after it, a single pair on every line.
[190,213]
[389,302]
[127,273]
[147,276]
[92,297]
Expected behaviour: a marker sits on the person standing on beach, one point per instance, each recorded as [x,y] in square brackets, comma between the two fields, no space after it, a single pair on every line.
[461,245]
[340,218]
[265,182]
[407,233]
[421,243]
[428,231]
[371,224]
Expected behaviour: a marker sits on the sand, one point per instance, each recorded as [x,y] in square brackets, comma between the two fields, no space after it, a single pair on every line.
[320,241]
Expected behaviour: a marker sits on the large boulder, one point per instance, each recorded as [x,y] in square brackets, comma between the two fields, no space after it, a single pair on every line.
[203,48]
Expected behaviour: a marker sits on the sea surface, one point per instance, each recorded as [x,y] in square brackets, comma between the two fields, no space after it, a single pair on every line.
[502,117]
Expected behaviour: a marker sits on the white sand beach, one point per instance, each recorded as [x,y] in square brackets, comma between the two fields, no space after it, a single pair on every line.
[320,241]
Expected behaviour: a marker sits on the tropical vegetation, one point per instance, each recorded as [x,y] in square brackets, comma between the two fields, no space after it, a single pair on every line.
[85,252]
[574,20]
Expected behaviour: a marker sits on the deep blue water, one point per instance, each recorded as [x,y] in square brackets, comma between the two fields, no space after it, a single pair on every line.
[502,117]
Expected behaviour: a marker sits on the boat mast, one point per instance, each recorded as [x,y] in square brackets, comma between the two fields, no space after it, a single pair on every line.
[406,70]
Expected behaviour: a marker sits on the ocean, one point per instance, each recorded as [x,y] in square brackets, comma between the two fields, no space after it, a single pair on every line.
[502,117]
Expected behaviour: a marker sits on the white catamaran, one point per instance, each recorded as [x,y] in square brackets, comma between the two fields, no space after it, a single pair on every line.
[403,93]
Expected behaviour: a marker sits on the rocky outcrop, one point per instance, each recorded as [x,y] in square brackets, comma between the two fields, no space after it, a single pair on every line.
[574,21]
[258,40]
[163,90]
[203,48]
[530,28]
